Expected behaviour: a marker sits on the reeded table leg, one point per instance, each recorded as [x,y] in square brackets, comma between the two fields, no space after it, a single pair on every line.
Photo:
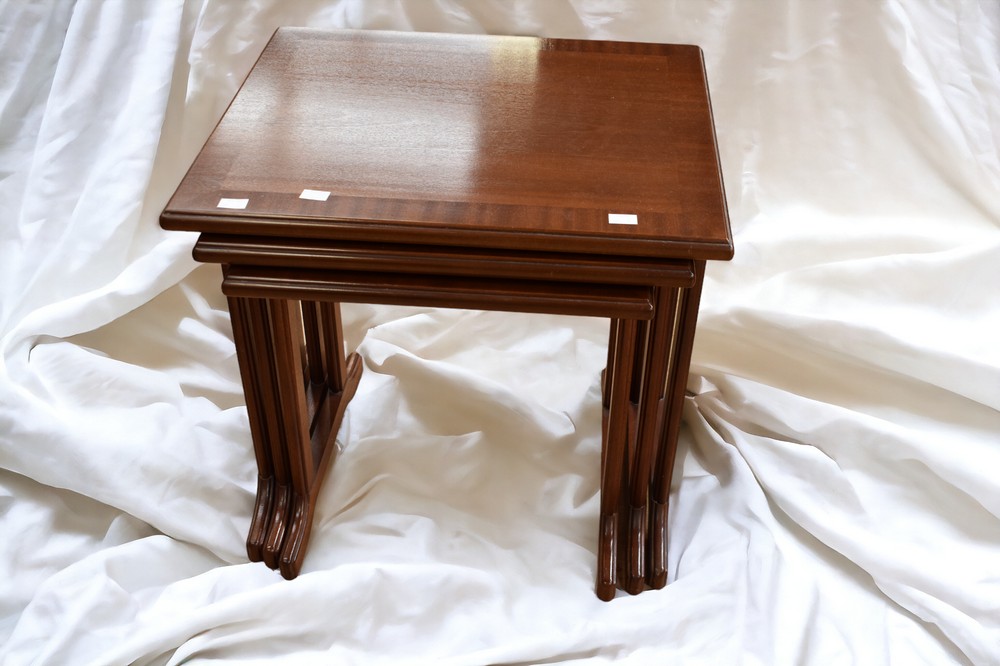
[650,423]
[680,363]
[297,386]
[310,430]
[252,335]
[250,375]
[262,364]
[614,452]
[286,328]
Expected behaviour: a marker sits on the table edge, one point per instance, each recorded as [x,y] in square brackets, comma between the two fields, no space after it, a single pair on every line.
[346,229]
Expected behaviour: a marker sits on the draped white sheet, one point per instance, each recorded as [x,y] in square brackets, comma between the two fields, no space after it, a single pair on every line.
[837,499]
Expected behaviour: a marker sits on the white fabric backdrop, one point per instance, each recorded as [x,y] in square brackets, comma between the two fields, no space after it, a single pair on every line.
[837,498]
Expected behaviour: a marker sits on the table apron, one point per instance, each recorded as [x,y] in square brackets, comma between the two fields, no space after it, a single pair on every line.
[444,260]
[511,295]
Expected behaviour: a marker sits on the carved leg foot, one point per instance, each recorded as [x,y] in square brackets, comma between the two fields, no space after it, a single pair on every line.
[261,518]
[635,564]
[299,526]
[658,546]
[607,578]
[278,527]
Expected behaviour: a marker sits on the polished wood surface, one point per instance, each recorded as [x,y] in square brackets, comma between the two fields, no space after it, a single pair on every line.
[469,140]
[473,172]
[580,299]
[450,261]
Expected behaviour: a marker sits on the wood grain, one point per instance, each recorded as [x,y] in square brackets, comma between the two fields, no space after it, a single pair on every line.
[471,140]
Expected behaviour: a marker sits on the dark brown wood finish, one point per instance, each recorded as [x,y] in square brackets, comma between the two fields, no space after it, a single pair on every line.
[467,140]
[462,171]
[585,300]
[614,472]
[297,392]
[443,261]
[257,413]
[683,334]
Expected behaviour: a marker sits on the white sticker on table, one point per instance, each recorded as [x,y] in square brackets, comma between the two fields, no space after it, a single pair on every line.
[314,195]
[622,218]
[235,204]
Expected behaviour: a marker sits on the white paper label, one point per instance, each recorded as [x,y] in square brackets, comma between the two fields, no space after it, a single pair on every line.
[235,204]
[314,195]
[622,218]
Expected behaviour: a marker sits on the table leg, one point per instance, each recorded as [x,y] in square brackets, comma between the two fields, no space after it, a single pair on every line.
[618,375]
[308,430]
[683,342]
[297,385]
[251,375]
[287,337]
[252,335]
[650,424]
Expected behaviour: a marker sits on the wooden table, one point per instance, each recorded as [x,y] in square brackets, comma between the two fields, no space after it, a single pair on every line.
[506,173]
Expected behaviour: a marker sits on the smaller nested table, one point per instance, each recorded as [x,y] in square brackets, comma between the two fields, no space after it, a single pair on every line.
[505,173]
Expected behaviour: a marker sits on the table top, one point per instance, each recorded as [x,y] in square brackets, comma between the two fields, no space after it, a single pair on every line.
[466,140]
